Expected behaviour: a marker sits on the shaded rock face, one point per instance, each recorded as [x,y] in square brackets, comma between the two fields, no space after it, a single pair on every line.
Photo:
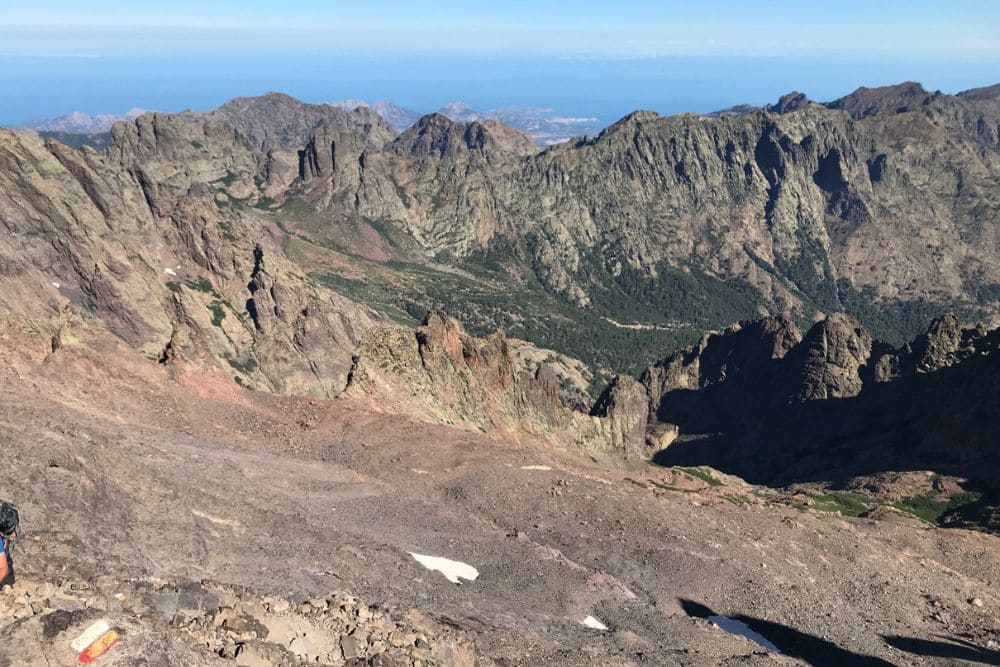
[440,373]
[946,342]
[741,355]
[838,404]
[755,368]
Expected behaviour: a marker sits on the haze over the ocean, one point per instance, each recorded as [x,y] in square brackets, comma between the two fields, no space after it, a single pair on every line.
[582,58]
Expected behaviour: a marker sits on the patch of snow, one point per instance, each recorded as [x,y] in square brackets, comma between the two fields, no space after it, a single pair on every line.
[453,570]
[169,271]
[419,471]
[593,623]
[56,285]
[535,468]
[741,629]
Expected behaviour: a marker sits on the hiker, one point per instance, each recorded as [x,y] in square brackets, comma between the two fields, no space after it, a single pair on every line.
[8,532]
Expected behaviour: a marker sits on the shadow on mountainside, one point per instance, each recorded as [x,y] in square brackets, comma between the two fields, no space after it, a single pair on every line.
[944,421]
[950,648]
[792,642]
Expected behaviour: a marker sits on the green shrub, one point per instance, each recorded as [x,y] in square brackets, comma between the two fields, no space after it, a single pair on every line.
[931,507]
[848,504]
[701,474]
[201,285]
[218,313]
[247,367]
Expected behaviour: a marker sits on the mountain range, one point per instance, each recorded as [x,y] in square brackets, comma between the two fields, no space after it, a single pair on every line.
[744,360]
[541,124]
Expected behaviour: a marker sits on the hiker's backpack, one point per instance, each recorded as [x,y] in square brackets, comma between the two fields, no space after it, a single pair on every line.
[8,519]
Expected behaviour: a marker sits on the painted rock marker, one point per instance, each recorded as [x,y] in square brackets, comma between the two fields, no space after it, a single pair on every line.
[95,641]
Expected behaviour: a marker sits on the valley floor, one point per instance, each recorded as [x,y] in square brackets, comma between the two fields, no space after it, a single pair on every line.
[145,480]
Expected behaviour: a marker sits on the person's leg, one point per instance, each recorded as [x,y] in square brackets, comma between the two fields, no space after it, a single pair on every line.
[9,579]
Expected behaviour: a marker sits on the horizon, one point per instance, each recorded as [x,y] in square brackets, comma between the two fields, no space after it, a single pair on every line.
[462,103]
[580,59]
[689,95]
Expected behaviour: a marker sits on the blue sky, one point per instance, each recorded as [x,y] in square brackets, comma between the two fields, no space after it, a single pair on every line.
[582,57]
[915,28]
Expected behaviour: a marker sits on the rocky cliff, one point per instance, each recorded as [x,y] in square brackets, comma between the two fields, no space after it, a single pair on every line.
[835,405]
[881,200]
[243,235]
[157,238]
[441,374]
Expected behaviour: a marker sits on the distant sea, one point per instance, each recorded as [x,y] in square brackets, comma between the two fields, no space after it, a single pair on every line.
[606,88]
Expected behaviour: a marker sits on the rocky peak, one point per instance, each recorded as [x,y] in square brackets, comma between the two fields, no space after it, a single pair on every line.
[789,102]
[865,102]
[984,94]
[829,360]
[947,341]
[630,123]
[436,135]
[745,350]
[508,139]
[276,121]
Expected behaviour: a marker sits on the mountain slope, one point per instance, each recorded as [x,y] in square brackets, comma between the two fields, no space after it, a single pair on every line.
[612,250]
[156,238]
[890,217]
[281,528]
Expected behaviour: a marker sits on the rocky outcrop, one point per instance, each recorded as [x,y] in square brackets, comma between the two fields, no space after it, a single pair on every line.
[279,121]
[838,404]
[440,373]
[829,360]
[196,623]
[624,405]
[789,102]
[435,135]
[157,238]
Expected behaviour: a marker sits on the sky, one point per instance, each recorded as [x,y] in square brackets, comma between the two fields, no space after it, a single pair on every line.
[583,57]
